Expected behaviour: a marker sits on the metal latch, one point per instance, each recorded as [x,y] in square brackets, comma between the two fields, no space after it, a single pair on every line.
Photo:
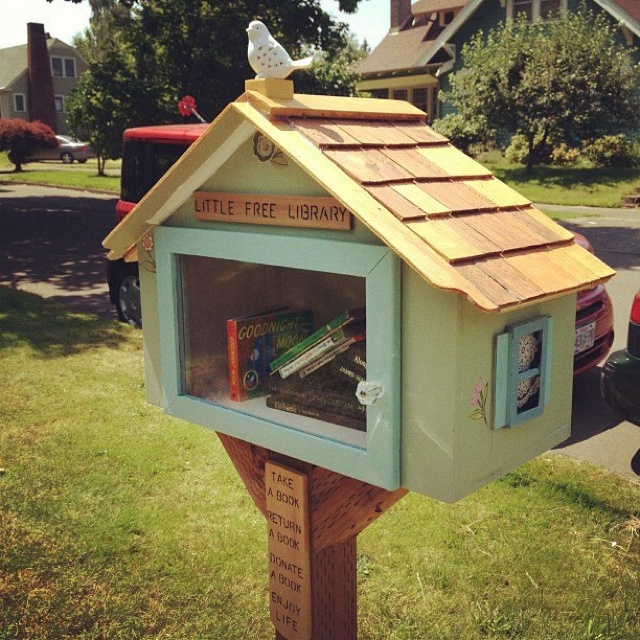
[368,392]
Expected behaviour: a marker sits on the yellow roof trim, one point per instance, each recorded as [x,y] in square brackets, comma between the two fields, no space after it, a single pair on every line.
[311,106]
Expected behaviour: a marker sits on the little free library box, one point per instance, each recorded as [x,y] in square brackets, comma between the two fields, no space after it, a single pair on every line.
[330,279]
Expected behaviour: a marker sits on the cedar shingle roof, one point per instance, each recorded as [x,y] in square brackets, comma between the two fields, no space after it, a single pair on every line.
[442,212]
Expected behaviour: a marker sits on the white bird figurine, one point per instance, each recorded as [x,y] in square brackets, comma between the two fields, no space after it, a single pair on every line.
[267,57]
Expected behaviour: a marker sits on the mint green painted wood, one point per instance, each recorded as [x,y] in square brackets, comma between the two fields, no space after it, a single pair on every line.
[449,347]
[377,459]
[501,380]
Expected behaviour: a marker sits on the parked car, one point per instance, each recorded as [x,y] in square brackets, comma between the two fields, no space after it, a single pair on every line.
[68,150]
[620,377]
[594,324]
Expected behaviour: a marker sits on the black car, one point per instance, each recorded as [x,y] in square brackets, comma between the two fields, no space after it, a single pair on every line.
[620,378]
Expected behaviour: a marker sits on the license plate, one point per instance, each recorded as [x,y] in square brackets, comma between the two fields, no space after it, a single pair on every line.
[585,337]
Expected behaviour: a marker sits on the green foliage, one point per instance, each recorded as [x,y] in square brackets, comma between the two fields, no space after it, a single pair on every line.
[611,151]
[466,133]
[96,108]
[144,57]
[563,80]
[20,138]
[565,156]
[332,72]
[518,150]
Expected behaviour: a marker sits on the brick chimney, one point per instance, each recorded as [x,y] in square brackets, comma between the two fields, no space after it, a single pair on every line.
[41,104]
[400,11]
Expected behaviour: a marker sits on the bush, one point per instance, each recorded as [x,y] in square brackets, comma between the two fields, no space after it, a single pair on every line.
[20,138]
[518,151]
[468,135]
[611,151]
[564,156]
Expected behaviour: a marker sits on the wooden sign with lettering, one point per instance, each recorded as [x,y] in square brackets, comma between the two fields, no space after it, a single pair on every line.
[287,504]
[288,211]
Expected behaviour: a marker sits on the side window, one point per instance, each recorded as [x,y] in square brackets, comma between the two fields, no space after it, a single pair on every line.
[59,103]
[143,164]
[69,68]
[19,102]
[63,67]
[522,371]
[57,68]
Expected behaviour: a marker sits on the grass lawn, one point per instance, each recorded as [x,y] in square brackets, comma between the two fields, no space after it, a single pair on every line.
[117,521]
[79,176]
[600,187]
[578,186]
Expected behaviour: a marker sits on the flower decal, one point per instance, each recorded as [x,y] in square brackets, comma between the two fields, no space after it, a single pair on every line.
[147,260]
[479,400]
[266,151]
[147,243]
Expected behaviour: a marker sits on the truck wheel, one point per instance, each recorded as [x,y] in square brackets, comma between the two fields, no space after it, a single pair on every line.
[128,297]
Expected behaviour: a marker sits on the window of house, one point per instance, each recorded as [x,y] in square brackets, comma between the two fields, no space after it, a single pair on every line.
[63,67]
[424,98]
[59,103]
[19,102]
[69,68]
[535,10]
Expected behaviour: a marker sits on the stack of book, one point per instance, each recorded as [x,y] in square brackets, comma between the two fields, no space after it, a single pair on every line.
[318,377]
[255,340]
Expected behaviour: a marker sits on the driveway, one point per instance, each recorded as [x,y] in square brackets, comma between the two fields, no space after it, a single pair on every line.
[51,245]
[598,435]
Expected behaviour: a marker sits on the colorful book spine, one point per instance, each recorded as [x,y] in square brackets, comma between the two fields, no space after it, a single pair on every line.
[254,341]
[336,341]
[315,364]
[317,336]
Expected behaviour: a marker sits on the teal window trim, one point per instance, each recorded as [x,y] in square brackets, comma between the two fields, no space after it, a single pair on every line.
[512,376]
[378,462]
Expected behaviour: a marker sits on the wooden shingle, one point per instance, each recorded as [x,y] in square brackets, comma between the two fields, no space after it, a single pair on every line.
[443,213]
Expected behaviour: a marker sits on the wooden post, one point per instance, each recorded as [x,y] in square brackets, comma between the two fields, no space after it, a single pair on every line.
[339,508]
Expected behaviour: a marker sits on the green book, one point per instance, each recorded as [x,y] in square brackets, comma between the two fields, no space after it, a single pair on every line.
[317,336]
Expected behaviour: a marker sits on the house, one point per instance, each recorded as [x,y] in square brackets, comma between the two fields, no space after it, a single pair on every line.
[425,39]
[36,78]
[333,203]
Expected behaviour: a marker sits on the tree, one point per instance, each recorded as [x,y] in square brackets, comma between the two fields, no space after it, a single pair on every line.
[173,48]
[560,81]
[332,73]
[20,138]
[95,108]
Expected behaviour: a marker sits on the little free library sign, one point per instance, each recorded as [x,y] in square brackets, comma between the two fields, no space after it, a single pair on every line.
[288,211]
[289,551]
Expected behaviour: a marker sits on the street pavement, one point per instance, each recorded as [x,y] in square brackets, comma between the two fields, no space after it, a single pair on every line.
[597,434]
[51,245]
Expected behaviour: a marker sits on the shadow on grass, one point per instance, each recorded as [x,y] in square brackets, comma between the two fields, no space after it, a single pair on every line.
[51,244]
[567,177]
[51,329]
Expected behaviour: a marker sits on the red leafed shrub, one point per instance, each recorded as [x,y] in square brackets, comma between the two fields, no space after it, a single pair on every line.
[20,138]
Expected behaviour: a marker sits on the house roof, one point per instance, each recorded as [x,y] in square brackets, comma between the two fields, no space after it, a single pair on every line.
[416,46]
[442,212]
[13,63]
[627,12]
[399,51]
[13,60]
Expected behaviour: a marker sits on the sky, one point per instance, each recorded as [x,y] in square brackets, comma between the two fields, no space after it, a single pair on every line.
[63,19]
